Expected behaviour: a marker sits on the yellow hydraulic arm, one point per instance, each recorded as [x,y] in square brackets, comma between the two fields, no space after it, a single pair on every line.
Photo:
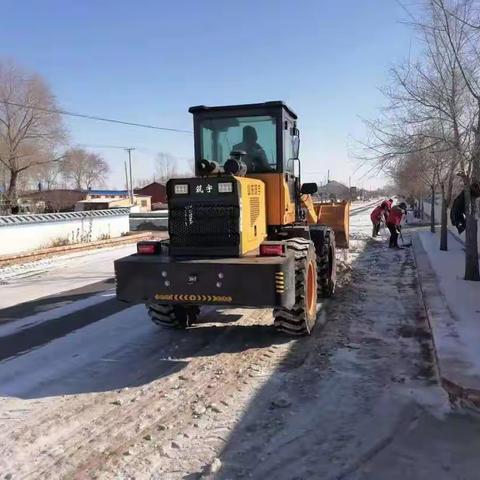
[309,206]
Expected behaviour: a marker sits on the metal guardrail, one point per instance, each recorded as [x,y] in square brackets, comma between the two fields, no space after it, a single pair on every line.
[9,220]
[149,221]
[152,214]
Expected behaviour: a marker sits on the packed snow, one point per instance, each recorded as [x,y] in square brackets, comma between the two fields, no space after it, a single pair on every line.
[463,299]
[26,282]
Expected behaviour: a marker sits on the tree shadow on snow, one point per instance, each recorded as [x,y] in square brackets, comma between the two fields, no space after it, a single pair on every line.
[154,354]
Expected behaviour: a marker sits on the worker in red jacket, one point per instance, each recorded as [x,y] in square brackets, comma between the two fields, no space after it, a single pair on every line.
[378,214]
[394,220]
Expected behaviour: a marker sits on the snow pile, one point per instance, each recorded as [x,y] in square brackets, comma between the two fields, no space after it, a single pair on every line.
[25,269]
[463,299]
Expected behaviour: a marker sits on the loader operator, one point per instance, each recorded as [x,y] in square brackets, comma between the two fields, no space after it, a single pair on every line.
[255,158]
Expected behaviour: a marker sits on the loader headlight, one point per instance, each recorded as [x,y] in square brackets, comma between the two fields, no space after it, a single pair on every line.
[181,189]
[225,187]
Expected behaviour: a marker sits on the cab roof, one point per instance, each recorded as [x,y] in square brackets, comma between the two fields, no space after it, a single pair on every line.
[246,106]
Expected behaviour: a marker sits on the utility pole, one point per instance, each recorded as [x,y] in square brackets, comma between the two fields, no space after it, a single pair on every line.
[349,182]
[129,150]
[127,186]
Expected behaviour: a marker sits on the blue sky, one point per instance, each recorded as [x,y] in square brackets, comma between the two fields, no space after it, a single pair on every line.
[148,61]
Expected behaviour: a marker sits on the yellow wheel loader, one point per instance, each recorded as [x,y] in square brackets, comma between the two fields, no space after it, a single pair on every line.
[243,231]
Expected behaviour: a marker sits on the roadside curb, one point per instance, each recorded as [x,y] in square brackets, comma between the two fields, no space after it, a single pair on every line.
[463,390]
[6,260]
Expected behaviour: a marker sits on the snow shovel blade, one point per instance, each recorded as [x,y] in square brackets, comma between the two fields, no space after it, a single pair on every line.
[403,241]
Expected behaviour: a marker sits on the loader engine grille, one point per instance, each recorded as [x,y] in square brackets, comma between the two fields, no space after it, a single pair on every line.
[204,226]
[254,210]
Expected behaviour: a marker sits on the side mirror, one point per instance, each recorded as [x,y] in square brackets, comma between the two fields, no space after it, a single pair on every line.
[296,145]
[309,188]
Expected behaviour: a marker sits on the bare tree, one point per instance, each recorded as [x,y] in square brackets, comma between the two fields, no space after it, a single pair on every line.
[456,20]
[46,175]
[165,167]
[462,19]
[83,169]
[414,175]
[190,172]
[434,108]
[407,177]
[142,182]
[3,178]
[29,133]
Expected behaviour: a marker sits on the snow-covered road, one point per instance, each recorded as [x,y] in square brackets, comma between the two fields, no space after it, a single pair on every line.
[26,282]
[89,388]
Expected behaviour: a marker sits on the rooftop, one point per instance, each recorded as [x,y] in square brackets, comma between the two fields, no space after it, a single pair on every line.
[103,200]
[106,192]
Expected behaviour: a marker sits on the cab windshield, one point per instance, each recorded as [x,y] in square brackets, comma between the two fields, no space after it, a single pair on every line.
[255,135]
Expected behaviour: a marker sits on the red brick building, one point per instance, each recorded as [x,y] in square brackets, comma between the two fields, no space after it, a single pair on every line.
[157,191]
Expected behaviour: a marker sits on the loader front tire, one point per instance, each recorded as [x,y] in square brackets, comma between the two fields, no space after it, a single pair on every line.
[327,268]
[176,317]
[300,319]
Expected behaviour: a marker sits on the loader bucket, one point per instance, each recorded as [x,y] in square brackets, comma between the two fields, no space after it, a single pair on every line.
[336,216]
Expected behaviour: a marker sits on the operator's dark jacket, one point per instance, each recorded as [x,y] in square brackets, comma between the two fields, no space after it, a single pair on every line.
[457,212]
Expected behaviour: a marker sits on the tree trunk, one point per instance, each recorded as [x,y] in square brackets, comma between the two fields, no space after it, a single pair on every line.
[432,210]
[471,245]
[12,189]
[443,227]
[471,249]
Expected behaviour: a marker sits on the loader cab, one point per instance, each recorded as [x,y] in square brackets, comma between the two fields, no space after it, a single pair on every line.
[266,132]
[265,137]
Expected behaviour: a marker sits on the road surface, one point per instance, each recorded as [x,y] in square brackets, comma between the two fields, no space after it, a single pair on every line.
[90,388]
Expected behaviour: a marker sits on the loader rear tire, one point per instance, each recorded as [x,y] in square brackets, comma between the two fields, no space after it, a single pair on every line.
[176,317]
[300,319]
[327,268]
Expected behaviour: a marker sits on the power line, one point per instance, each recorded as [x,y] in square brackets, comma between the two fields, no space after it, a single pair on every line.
[87,145]
[93,117]
[140,149]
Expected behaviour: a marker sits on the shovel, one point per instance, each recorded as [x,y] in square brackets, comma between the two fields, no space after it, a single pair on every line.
[403,241]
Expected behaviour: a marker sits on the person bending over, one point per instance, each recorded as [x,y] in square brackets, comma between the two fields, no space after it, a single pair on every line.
[378,214]
[394,221]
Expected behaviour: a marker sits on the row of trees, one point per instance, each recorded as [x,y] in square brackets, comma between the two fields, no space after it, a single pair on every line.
[79,169]
[165,168]
[428,136]
[34,141]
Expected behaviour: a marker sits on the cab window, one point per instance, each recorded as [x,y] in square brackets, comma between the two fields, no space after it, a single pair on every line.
[253,135]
